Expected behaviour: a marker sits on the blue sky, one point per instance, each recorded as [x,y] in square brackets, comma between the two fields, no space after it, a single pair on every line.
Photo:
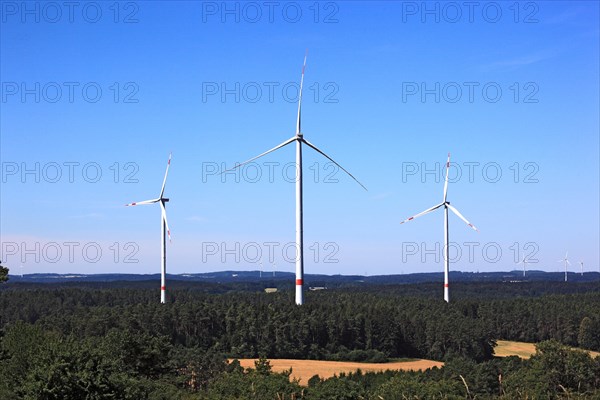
[511,91]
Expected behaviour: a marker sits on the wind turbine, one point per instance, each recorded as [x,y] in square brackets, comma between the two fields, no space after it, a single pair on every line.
[581,263]
[566,261]
[447,206]
[299,139]
[524,262]
[164,226]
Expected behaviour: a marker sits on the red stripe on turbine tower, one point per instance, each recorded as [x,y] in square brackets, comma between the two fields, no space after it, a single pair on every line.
[163,288]
[299,282]
[446,285]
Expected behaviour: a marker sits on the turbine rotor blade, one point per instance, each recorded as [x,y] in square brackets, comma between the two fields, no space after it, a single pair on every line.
[162,190]
[423,213]
[164,217]
[300,95]
[446,181]
[141,203]
[455,211]
[260,155]
[332,160]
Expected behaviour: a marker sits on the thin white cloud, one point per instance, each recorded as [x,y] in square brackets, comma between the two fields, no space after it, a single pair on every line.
[381,196]
[520,61]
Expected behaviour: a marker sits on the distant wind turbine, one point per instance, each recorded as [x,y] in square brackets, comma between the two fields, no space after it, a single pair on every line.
[446,205]
[524,262]
[581,263]
[299,139]
[566,261]
[164,226]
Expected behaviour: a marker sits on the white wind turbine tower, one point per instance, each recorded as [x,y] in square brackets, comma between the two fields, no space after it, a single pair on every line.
[299,139]
[581,263]
[446,205]
[566,261]
[164,226]
[524,262]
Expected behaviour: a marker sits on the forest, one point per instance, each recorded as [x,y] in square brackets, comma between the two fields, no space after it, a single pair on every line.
[111,340]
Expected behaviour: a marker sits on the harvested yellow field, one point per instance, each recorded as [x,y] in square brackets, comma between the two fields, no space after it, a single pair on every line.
[305,369]
[507,348]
